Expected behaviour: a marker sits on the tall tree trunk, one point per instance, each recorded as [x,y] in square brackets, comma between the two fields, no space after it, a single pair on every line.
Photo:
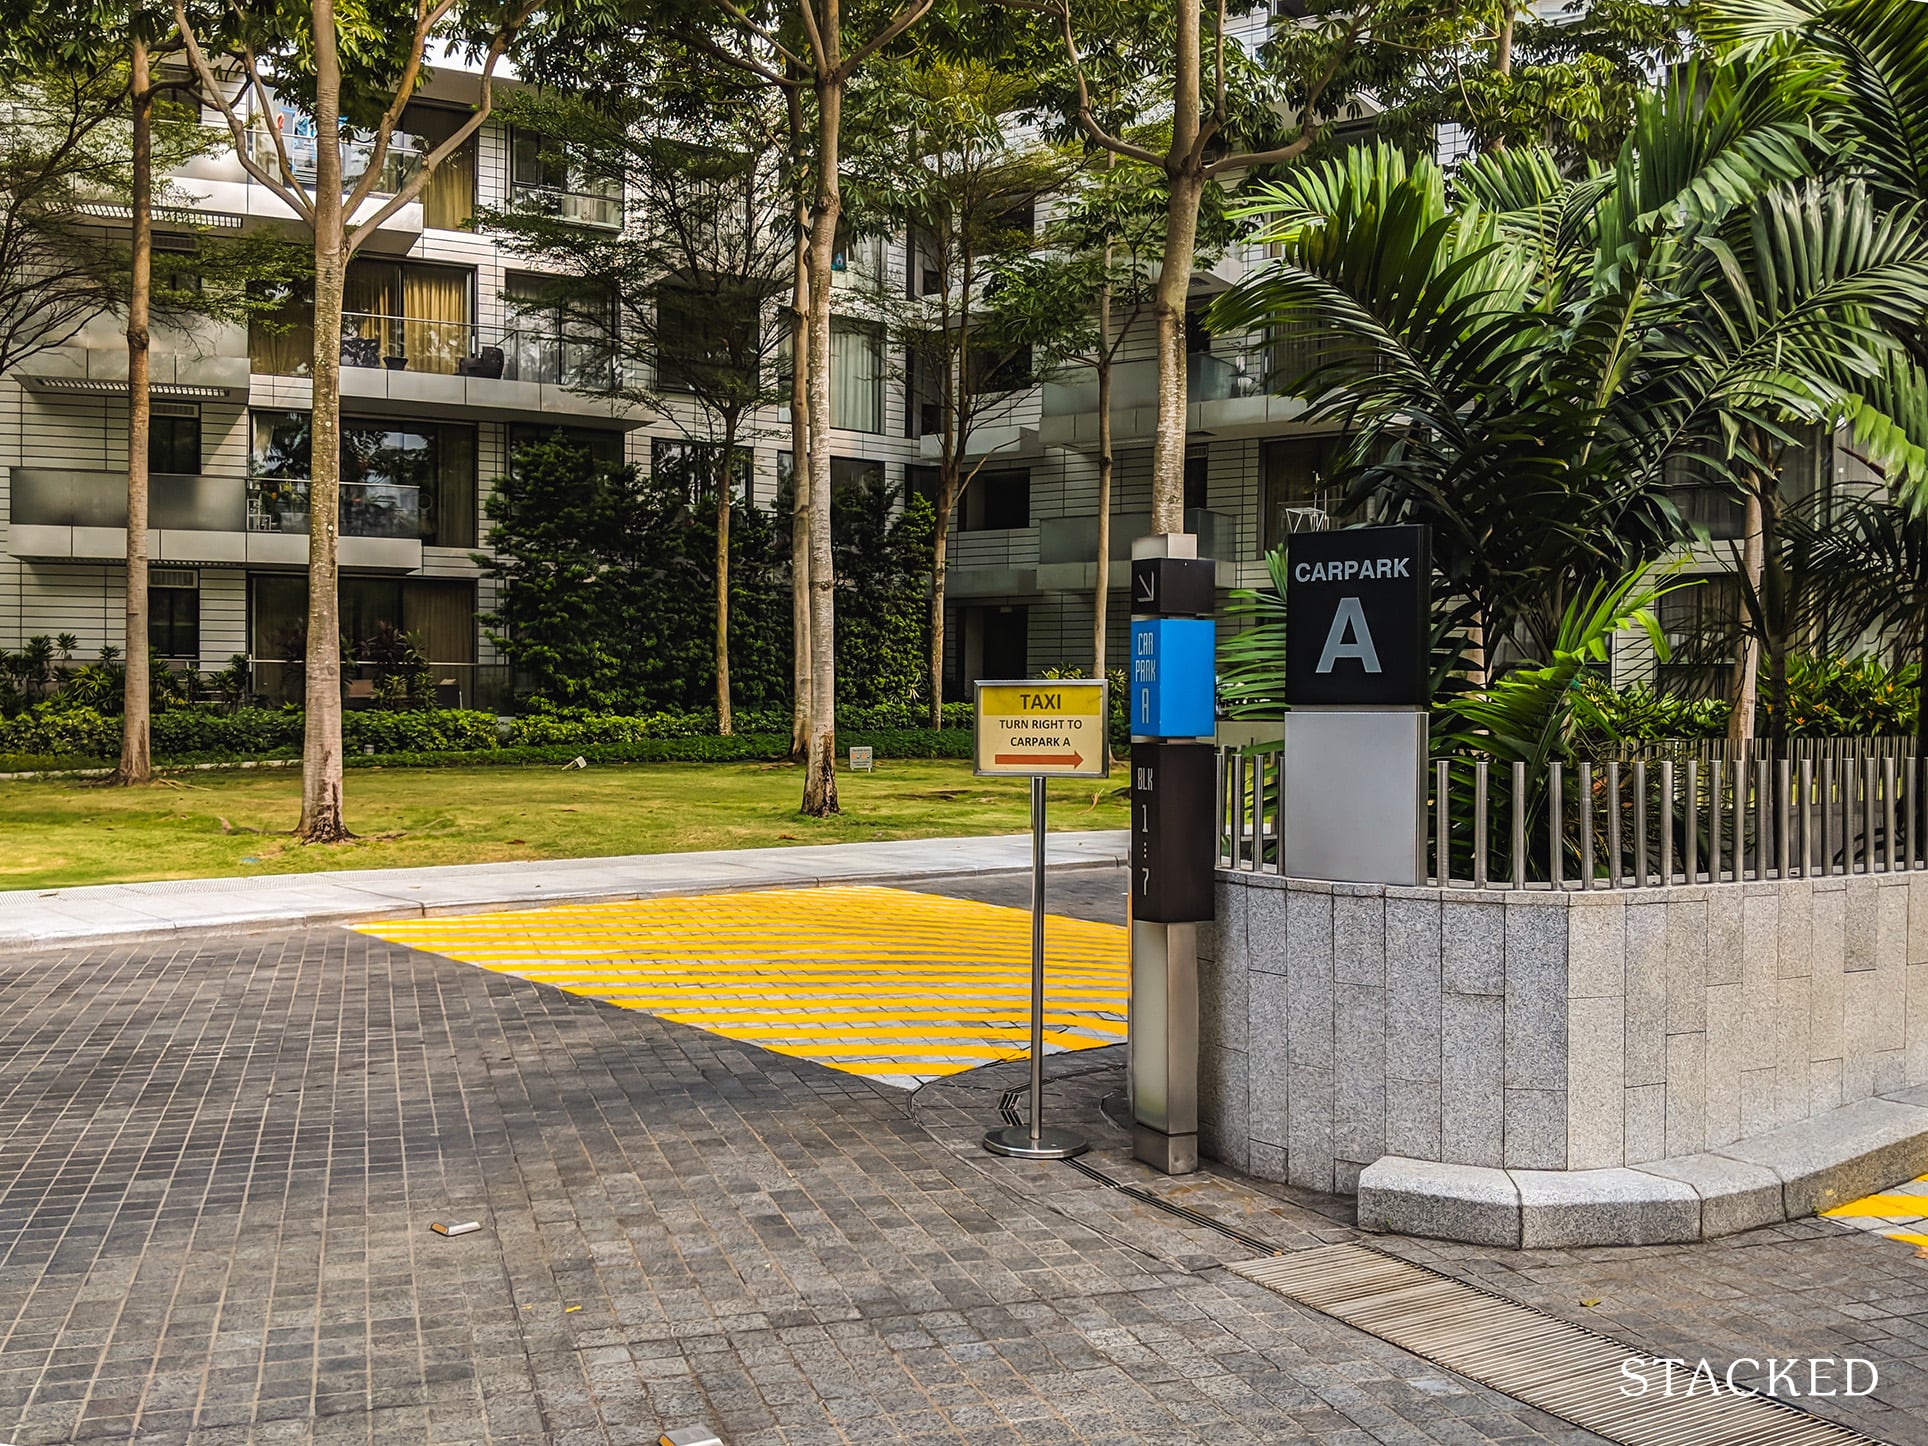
[1747,661]
[820,764]
[1101,590]
[800,501]
[1503,50]
[321,761]
[725,481]
[136,764]
[1168,314]
[940,574]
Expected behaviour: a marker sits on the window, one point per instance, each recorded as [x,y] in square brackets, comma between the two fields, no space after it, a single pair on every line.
[176,266]
[997,500]
[448,199]
[704,344]
[856,255]
[544,176]
[856,378]
[844,472]
[440,615]
[174,614]
[1296,495]
[999,371]
[281,328]
[416,317]
[1197,337]
[1700,622]
[692,465]
[1198,466]
[564,333]
[174,445]
[603,446]
[398,479]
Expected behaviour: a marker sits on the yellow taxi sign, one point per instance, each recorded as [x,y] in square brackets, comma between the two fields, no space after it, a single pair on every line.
[1047,727]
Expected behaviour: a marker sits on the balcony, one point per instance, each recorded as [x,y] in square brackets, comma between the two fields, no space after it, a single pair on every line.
[399,165]
[448,369]
[215,183]
[368,509]
[1227,393]
[602,210]
[61,514]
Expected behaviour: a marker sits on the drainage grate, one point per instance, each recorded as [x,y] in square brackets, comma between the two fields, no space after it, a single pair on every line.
[1565,1370]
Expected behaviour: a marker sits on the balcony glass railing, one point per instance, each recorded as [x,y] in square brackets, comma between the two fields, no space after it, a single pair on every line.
[402,161]
[368,509]
[65,497]
[601,209]
[1213,376]
[449,348]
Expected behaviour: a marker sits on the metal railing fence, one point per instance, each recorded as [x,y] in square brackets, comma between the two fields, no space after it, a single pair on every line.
[1838,807]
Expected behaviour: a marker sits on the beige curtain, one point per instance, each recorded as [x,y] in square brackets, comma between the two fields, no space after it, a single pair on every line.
[856,380]
[435,305]
[370,304]
[444,614]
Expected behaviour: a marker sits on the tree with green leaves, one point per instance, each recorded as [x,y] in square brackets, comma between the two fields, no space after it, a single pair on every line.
[812,50]
[1524,368]
[350,68]
[695,286]
[92,67]
[1084,292]
[947,167]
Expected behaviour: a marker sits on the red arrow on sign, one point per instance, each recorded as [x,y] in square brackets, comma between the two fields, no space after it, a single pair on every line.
[1074,759]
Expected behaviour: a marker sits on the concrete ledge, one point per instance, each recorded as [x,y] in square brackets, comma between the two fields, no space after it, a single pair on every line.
[1783,1174]
[1842,1155]
[1447,1202]
[1604,1207]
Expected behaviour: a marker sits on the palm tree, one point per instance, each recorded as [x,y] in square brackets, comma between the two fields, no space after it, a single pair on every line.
[1521,368]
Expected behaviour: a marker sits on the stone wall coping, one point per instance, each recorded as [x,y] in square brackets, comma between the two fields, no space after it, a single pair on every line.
[1561,898]
[1780,1174]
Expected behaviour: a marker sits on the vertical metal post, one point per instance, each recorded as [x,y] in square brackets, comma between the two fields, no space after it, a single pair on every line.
[1586,825]
[1911,812]
[1481,778]
[1763,841]
[1867,815]
[1666,823]
[1888,810]
[1716,784]
[1824,812]
[1443,826]
[1804,817]
[1640,824]
[1033,1141]
[1783,834]
[1516,853]
[1690,840]
[1613,825]
[1220,773]
[1555,824]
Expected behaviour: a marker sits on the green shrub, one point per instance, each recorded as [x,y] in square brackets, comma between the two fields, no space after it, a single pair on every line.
[48,729]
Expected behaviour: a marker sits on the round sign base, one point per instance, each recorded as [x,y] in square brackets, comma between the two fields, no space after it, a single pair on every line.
[1016,1141]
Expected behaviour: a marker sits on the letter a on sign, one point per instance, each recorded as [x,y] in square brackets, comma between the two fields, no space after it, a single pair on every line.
[1349,637]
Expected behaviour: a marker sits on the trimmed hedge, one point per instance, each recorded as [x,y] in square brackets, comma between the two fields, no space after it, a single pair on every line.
[54,737]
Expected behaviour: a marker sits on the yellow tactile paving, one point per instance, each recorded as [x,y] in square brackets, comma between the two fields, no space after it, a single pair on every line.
[1896,1213]
[887,983]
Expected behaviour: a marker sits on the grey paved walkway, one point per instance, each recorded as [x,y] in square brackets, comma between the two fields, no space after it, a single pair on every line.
[46,917]
[219,1157]
[218,1163]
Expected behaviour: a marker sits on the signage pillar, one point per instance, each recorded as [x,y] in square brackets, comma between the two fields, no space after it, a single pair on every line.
[1358,679]
[1172,698]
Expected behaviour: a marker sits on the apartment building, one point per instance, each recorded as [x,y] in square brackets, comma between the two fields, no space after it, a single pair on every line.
[449,362]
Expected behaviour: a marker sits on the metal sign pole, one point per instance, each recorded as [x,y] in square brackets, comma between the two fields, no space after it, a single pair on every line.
[1033,1141]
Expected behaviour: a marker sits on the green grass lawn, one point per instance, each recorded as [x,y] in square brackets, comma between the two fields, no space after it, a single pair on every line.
[58,832]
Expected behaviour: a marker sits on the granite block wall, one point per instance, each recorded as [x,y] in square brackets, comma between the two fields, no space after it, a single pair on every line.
[1546,1030]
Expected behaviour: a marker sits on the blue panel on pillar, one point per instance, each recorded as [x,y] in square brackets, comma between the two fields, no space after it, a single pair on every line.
[1173,677]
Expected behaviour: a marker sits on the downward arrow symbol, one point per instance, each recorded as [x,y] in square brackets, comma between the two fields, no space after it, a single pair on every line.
[1147,588]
